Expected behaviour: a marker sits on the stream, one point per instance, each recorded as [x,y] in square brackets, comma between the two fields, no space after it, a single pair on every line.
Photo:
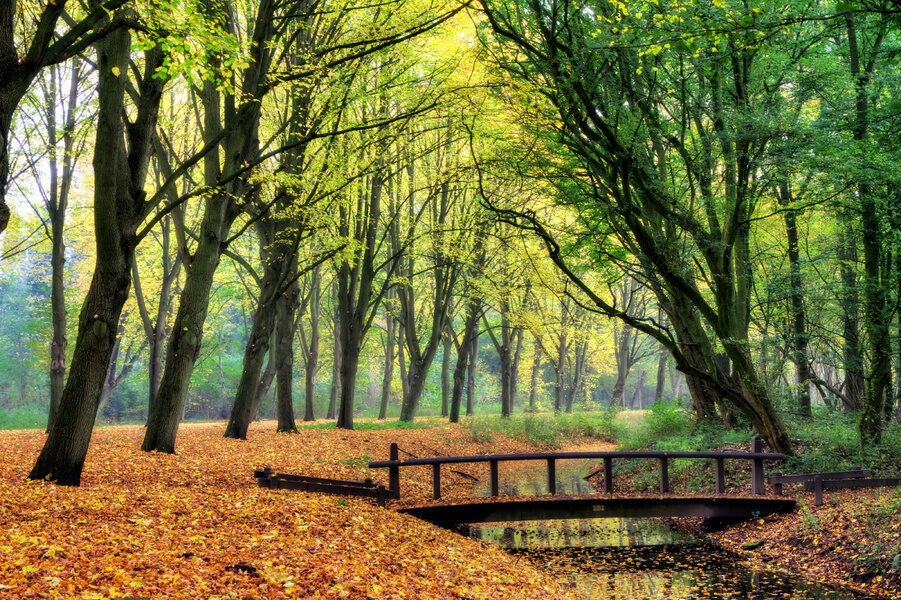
[630,558]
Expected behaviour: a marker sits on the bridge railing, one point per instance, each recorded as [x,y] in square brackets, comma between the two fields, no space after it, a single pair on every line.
[756,457]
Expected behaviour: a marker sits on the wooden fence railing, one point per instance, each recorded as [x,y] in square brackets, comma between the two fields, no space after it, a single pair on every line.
[756,457]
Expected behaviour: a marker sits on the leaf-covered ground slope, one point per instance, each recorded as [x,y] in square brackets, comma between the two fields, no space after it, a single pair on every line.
[195,525]
[852,541]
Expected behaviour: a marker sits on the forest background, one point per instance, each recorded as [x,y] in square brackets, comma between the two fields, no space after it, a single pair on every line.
[345,209]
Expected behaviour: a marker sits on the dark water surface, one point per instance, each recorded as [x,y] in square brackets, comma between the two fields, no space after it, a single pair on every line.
[642,558]
[631,558]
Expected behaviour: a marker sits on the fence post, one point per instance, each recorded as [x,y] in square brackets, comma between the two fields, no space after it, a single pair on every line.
[664,475]
[776,480]
[551,476]
[757,486]
[608,475]
[720,476]
[436,481]
[818,490]
[494,485]
[393,472]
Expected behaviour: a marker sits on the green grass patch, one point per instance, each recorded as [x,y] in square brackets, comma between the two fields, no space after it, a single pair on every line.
[544,429]
[370,425]
[23,418]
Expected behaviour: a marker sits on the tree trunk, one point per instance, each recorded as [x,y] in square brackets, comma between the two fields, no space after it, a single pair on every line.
[878,380]
[388,374]
[471,373]
[335,388]
[798,334]
[119,175]
[57,205]
[311,351]
[661,376]
[446,345]
[470,329]
[187,330]
[286,310]
[536,373]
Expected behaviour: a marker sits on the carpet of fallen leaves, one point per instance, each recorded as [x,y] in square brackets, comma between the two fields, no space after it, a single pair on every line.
[195,524]
[852,541]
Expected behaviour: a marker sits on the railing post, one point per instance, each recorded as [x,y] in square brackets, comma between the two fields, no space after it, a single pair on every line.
[818,490]
[776,480]
[436,481]
[664,475]
[720,476]
[551,476]
[608,475]
[393,472]
[494,485]
[757,486]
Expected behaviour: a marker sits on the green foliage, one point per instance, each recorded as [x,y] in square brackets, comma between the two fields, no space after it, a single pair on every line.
[361,425]
[549,430]
[27,417]
[356,461]
[831,442]
[810,521]
[666,426]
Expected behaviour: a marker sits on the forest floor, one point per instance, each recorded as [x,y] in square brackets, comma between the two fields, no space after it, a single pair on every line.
[852,541]
[195,525]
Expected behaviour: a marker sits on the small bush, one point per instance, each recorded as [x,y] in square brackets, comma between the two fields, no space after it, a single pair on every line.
[665,424]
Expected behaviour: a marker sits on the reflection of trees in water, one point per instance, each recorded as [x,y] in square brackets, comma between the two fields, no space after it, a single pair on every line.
[670,572]
[577,533]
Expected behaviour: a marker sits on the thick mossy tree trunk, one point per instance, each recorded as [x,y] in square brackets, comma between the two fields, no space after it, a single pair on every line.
[879,376]
[119,208]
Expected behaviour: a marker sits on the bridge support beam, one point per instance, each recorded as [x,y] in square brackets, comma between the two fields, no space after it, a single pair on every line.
[599,508]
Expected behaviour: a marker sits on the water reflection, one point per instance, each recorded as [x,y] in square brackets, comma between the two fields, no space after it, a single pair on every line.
[671,572]
[629,558]
[581,533]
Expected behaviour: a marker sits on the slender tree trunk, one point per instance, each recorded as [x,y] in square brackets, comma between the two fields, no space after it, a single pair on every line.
[661,376]
[388,374]
[335,388]
[311,353]
[852,357]
[187,330]
[536,373]
[470,329]
[471,373]
[286,310]
[878,380]
[447,344]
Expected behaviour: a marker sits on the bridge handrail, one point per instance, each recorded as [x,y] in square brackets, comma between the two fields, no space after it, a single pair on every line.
[756,456]
[381,464]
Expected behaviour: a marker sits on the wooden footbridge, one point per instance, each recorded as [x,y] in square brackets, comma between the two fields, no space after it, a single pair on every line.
[714,506]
